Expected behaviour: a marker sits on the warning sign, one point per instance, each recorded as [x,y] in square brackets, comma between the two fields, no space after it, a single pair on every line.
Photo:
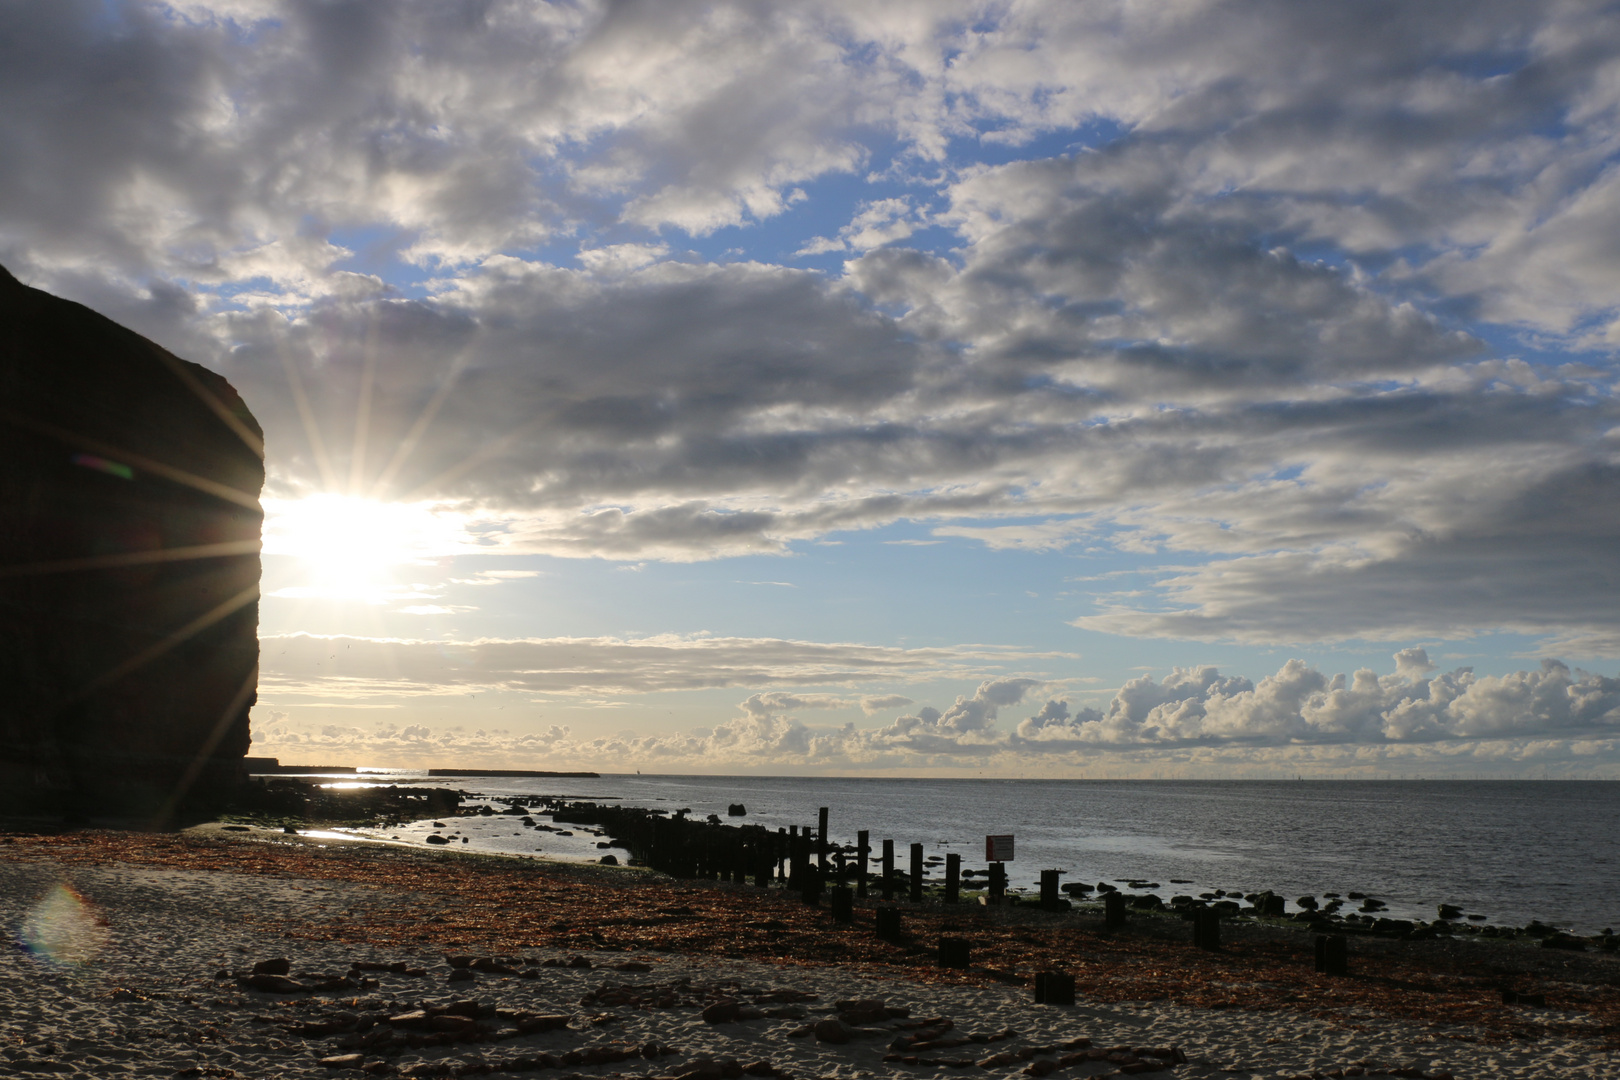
[998,848]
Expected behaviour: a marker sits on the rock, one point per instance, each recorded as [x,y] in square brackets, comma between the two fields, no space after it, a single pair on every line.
[278,965]
[833,1030]
[722,1012]
[461,975]
[437,839]
[274,984]
[737,809]
[857,1013]
[1450,911]
[1307,903]
[451,1024]
[490,966]
[344,1061]
[112,452]
[609,860]
[529,1025]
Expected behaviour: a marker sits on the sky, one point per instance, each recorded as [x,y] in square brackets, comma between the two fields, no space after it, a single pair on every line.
[1178,388]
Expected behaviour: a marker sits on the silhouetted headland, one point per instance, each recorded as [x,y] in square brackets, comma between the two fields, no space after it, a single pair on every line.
[129,565]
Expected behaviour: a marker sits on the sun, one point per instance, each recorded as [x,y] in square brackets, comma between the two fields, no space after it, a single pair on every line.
[353,548]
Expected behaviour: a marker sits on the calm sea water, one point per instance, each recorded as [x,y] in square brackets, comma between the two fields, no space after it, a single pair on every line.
[1510,850]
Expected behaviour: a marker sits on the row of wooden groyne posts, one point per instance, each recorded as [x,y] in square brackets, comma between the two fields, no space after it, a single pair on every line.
[805,861]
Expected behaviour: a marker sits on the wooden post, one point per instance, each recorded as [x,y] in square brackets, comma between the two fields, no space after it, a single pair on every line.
[1054,988]
[953,878]
[953,953]
[821,842]
[838,866]
[862,841]
[1114,911]
[794,876]
[764,865]
[1207,931]
[1332,955]
[888,869]
[781,854]
[1051,900]
[916,873]
[887,918]
[998,883]
[843,905]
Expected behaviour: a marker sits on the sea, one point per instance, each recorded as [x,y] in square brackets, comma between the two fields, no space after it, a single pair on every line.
[1511,851]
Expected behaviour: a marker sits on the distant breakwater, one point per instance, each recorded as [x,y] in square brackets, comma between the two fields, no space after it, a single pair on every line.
[807,861]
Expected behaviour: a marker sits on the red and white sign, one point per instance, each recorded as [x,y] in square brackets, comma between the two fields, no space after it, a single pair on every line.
[998,848]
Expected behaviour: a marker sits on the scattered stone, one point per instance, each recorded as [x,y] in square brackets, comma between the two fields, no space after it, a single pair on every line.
[833,1030]
[490,966]
[279,965]
[344,1061]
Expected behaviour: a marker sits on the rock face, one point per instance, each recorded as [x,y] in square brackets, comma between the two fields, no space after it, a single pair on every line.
[129,565]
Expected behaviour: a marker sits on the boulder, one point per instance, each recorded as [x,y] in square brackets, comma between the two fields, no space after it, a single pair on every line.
[129,565]
[833,1030]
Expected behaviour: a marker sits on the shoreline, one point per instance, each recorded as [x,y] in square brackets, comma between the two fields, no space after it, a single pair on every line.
[460,903]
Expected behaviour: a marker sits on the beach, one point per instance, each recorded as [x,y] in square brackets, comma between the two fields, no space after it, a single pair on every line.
[137,955]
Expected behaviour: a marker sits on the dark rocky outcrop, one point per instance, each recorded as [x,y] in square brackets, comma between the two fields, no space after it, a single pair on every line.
[129,565]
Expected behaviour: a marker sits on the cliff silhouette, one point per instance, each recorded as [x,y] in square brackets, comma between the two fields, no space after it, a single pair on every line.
[129,566]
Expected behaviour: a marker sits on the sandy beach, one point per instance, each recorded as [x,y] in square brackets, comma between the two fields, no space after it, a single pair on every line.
[136,955]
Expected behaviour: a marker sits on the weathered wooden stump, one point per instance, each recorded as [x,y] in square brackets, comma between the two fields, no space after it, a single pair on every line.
[954,953]
[821,841]
[998,883]
[953,879]
[1051,899]
[1332,954]
[843,904]
[863,841]
[916,873]
[888,869]
[1114,911]
[1054,988]
[811,887]
[887,919]
[1207,929]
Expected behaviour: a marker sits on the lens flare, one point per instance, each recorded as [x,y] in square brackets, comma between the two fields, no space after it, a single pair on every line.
[63,929]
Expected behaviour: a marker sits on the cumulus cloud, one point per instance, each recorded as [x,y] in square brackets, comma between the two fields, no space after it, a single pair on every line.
[1194,718]
[1301,705]
[1245,288]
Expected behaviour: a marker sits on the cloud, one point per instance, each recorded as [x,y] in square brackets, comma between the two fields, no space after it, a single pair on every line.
[359,667]
[1313,303]
[1300,705]
[1298,719]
